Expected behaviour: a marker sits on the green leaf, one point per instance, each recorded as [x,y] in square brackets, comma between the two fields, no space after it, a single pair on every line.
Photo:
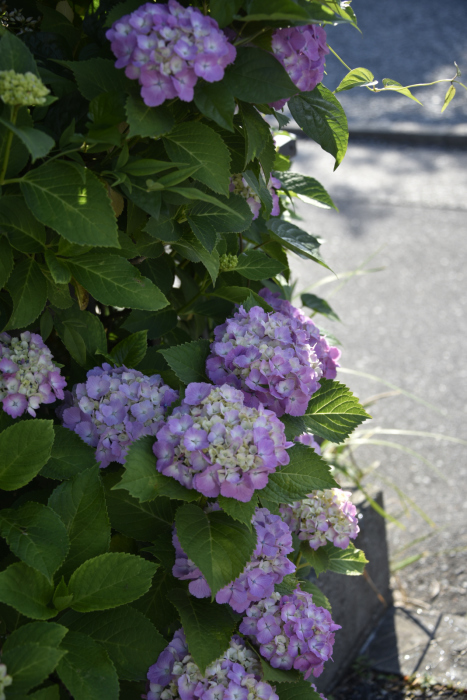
[51,692]
[130,639]
[118,11]
[143,167]
[189,246]
[334,412]
[208,220]
[97,75]
[15,55]
[216,102]
[110,580]
[217,544]
[24,232]
[350,561]
[255,265]
[150,202]
[319,305]
[131,350]
[37,142]
[58,269]
[358,77]
[156,324]
[82,334]
[27,591]
[147,121]
[198,144]
[32,652]
[449,96]
[188,361]
[257,134]
[307,189]
[80,502]
[36,534]
[295,239]
[86,670]
[62,598]
[142,521]
[243,512]
[257,76]
[305,472]
[46,324]
[223,10]
[301,690]
[294,426]
[6,261]
[24,449]
[71,200]
[237,295]
[393,85]
[142,480]
[28,289]
[155,604]
[208,627]
[113,280]
[322,118]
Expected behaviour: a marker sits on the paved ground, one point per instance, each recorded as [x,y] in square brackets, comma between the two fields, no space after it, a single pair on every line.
[411,42]
[407,324]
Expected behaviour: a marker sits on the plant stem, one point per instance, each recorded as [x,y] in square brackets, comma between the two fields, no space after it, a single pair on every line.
[9,141]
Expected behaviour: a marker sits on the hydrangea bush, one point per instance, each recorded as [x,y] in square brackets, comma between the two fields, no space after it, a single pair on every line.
[146,228]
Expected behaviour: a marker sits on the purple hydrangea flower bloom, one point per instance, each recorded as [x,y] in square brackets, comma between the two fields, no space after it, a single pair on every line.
[236,675]
[217,445]
[292,631]
[276,359]
[28,376]
[238,185]
[302,52]
[268,565]
[167,48]
[322,517]
[115,407]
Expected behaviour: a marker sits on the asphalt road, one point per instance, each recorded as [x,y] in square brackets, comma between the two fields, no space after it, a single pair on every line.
[411,42]
[406,207]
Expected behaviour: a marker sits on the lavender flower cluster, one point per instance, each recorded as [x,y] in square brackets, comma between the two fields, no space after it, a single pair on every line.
[292,632]
[28,376]
[238,185]
[235,676]
[268,565]
[115,407]
[167,47]
[302,51]
[276,358]
[322,517]
[308,440]
[217,445]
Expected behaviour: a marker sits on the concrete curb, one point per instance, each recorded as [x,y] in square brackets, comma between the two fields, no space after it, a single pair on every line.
[357,601]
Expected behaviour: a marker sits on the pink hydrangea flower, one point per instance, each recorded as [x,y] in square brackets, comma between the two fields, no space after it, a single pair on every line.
[216,444]
[28,375]
[115,407]
[167,47]
[322,517]
[302,52]
[292,632]
[276,359]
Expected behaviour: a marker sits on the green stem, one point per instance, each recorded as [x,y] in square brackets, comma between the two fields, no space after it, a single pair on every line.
[9,141]
[338,57]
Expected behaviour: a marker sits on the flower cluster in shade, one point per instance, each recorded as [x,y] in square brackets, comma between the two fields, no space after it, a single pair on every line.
[5,681]
[239,185]
[267,567]
[22,89]
[322,517]
[292,632]
[217,445]
[167,47]
[234,676]
[302,52]
[28,375]
[115,407]
[276,359]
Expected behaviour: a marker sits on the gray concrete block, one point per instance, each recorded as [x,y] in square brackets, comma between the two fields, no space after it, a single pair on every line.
[357,601]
